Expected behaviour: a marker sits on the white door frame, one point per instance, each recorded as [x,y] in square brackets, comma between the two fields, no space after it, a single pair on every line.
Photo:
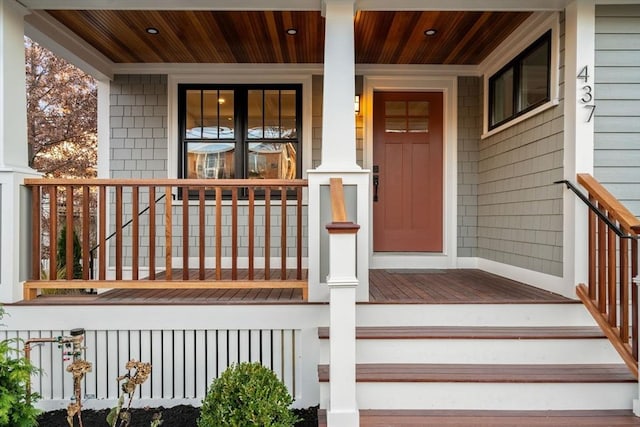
[449,87]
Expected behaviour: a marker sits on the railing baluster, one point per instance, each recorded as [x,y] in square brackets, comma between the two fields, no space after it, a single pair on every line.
[201,225]
[119,232]
[625,283]
[611,277]
[218,233]
[602,267]
[234,233]
[86,224]
[299,234]
[168,232]
[267,233]
[53,232]
[592,253]
[69,233]
[283,233]
[251,253]
[152,233]
[185,233]
[634,298]
[135,233]
[102,219]
[36,256]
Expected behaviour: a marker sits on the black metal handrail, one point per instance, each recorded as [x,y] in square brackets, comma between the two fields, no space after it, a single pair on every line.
[596,210]
[126,224]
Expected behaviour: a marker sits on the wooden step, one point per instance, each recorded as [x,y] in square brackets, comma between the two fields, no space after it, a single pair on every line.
[452,418]
[464,373]
[472,332]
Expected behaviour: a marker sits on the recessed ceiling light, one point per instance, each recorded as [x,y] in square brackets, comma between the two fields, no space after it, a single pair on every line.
[292,31]
[430,32]
[152,30]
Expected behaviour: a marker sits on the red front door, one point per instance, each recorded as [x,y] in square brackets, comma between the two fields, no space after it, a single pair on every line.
[408,183]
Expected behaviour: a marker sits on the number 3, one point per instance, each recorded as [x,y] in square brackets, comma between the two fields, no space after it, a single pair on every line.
[588,97]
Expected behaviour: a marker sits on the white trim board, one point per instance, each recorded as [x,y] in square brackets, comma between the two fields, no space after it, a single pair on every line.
[448,85]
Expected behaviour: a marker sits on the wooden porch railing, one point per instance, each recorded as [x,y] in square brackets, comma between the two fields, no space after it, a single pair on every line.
[611,296]
[63,202]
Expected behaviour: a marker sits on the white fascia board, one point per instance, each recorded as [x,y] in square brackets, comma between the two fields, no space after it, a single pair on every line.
[48,32]
[173,5]
[462,5]
[234,69]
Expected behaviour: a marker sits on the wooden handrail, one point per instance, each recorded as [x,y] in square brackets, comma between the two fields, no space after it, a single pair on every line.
[608,202]
[338,210]
[610,295]
[168,231]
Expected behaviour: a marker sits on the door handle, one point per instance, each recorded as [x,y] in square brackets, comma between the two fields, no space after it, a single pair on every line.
[376,183]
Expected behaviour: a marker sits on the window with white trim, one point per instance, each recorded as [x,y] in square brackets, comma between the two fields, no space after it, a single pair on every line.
[240,131]
[521,85]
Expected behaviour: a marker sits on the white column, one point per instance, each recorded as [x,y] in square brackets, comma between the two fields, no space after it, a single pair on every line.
[14,200]
[578,135]
[342,282]
[338,119]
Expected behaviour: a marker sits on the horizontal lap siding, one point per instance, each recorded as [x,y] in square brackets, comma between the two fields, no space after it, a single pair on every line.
[617,96]
[519,206]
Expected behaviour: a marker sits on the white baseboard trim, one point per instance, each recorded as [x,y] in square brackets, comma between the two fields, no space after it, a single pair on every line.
[409,260]
[544,281]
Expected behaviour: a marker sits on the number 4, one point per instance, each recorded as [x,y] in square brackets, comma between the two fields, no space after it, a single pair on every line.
[584,74]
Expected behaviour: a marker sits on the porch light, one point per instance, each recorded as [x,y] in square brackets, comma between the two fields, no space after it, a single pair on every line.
[292,31]
[152,30]
[356,104]
[430,32]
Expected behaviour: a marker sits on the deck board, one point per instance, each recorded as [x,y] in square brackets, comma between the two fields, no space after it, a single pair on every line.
[459,286]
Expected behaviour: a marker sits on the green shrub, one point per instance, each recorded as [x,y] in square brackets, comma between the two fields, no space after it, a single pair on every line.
[62,253]
[247,394]
[16,407]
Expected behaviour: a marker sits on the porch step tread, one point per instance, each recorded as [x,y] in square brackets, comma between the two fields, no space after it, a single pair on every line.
[485,373]
[450,418]
[471,332]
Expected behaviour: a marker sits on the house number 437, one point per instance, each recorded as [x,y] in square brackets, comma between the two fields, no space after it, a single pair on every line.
[587,92]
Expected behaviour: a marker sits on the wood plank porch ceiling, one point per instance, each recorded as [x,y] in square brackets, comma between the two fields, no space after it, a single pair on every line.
[462,38]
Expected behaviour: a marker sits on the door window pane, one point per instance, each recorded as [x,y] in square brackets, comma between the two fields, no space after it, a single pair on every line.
[395,124]
[288,114]
[395,108]
[210,114]
[419,108]
[272,114]
[418,124]
[226,119]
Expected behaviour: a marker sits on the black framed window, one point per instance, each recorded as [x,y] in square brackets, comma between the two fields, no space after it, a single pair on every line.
[240,131]
[521,85]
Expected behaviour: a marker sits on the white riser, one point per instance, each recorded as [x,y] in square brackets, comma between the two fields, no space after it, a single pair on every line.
[493,351]
[473,315]
[491,396]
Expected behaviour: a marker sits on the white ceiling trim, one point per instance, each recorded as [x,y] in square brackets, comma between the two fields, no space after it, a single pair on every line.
[42,28]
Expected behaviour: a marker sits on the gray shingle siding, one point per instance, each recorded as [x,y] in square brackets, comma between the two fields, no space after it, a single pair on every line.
[617,97]
[469,130]
[519,207]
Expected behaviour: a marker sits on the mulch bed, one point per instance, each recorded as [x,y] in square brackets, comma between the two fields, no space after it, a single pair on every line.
[176,416]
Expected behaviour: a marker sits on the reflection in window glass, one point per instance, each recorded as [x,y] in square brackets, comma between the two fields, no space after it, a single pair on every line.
[210,160]
[502,91]
[226,123]
[255,115]
[272,114]
[395,124]
[210,114]
[270,160]
[534,83]
[418,124]
[419,108]
[395,108]
[288,114]
[193,114]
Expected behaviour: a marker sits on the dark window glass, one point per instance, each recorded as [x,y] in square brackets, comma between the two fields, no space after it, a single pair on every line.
[522,85]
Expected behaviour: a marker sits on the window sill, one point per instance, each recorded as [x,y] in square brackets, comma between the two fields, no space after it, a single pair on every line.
[544,107]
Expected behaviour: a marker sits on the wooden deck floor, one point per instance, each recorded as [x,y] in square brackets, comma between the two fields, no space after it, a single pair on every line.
[386,286]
